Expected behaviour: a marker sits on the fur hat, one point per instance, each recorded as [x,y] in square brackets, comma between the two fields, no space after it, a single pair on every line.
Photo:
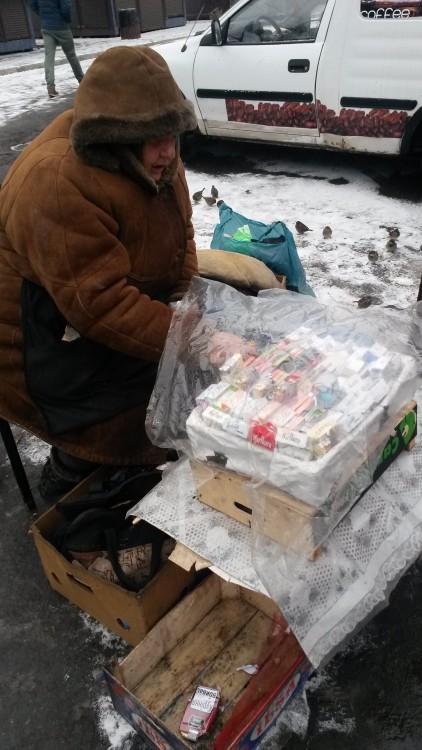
[126,97]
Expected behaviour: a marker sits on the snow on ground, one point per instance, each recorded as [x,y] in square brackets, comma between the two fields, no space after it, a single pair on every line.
[286,189]
[337,269]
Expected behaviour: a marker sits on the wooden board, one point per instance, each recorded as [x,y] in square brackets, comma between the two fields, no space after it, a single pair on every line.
[181,666]
[222,672]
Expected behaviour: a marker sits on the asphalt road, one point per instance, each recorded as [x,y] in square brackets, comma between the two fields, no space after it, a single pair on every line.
[370,697]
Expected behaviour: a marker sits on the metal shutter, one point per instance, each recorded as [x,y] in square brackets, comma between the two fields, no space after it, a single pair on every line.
[152,15]
[174,8]
[93,18]
[13,21]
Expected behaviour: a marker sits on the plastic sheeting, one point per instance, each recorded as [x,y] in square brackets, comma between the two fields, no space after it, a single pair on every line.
[294,395]
[327,598]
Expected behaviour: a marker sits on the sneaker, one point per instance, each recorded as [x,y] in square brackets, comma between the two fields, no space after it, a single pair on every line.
[52,93]
[57,480]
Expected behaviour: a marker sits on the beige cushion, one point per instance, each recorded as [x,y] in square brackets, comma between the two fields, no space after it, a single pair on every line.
[238,270]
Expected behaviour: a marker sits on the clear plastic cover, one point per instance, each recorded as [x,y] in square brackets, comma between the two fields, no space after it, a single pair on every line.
[295,398]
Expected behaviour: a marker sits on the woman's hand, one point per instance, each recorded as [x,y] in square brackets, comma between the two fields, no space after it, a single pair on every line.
[223,345]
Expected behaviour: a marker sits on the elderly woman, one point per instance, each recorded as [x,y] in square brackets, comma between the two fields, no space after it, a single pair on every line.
[96,242]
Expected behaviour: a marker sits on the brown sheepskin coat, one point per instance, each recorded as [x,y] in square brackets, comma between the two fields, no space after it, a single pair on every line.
[79,217]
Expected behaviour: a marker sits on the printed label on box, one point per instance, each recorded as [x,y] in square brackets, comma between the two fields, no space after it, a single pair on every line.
[297,438]
[263,435]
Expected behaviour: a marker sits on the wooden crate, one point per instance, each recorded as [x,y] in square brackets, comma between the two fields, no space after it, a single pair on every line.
[218,628]
[286,519]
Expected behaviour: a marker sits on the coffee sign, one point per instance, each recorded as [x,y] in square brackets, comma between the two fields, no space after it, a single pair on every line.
[393,9]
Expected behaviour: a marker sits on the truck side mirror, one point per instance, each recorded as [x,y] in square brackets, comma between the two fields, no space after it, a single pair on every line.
[217,35]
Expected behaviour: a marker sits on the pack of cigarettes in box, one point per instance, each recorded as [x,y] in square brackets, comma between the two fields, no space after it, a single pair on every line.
[299,399]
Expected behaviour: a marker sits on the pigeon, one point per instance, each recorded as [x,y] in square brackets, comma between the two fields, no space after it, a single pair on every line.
[367,300]
[302,228]
[394,232]
[391,245]
[373,256]
[209,200]
[214,191]
[198,195]
[327,232]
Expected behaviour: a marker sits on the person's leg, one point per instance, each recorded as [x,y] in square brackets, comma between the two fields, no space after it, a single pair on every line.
[61,473]
[68,47]
[49,57]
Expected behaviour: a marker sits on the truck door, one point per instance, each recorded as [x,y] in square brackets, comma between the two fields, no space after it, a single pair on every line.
[260,83]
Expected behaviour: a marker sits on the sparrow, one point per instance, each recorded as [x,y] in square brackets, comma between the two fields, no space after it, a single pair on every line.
[302,228]
[198,195]
[372,256]
[209,200]
[327,232]
[391,245]
[214,191]
[394,232]
[367,300]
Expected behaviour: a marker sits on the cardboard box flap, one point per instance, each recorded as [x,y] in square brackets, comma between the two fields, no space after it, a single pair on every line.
[187,559]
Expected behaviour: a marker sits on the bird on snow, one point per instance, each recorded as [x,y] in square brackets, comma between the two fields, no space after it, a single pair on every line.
[302,228]
[367,300]
[394,232]
[198,195]
[209,200]
[327,232]
[214,191]
[391,245]
[372,256]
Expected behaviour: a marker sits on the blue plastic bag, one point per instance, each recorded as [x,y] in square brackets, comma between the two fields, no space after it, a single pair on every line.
[273,244]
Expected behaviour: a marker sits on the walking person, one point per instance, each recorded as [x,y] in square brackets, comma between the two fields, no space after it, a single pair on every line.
[55,17]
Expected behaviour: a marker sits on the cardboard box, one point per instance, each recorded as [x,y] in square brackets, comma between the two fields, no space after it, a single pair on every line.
[129,615]
[206,639]
[288,520]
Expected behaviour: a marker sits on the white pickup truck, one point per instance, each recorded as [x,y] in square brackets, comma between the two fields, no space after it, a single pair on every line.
[335,74]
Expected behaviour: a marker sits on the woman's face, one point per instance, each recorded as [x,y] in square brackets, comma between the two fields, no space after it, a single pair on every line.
[157,155]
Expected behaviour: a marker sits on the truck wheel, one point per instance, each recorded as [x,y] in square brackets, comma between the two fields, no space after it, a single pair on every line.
[190,144]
